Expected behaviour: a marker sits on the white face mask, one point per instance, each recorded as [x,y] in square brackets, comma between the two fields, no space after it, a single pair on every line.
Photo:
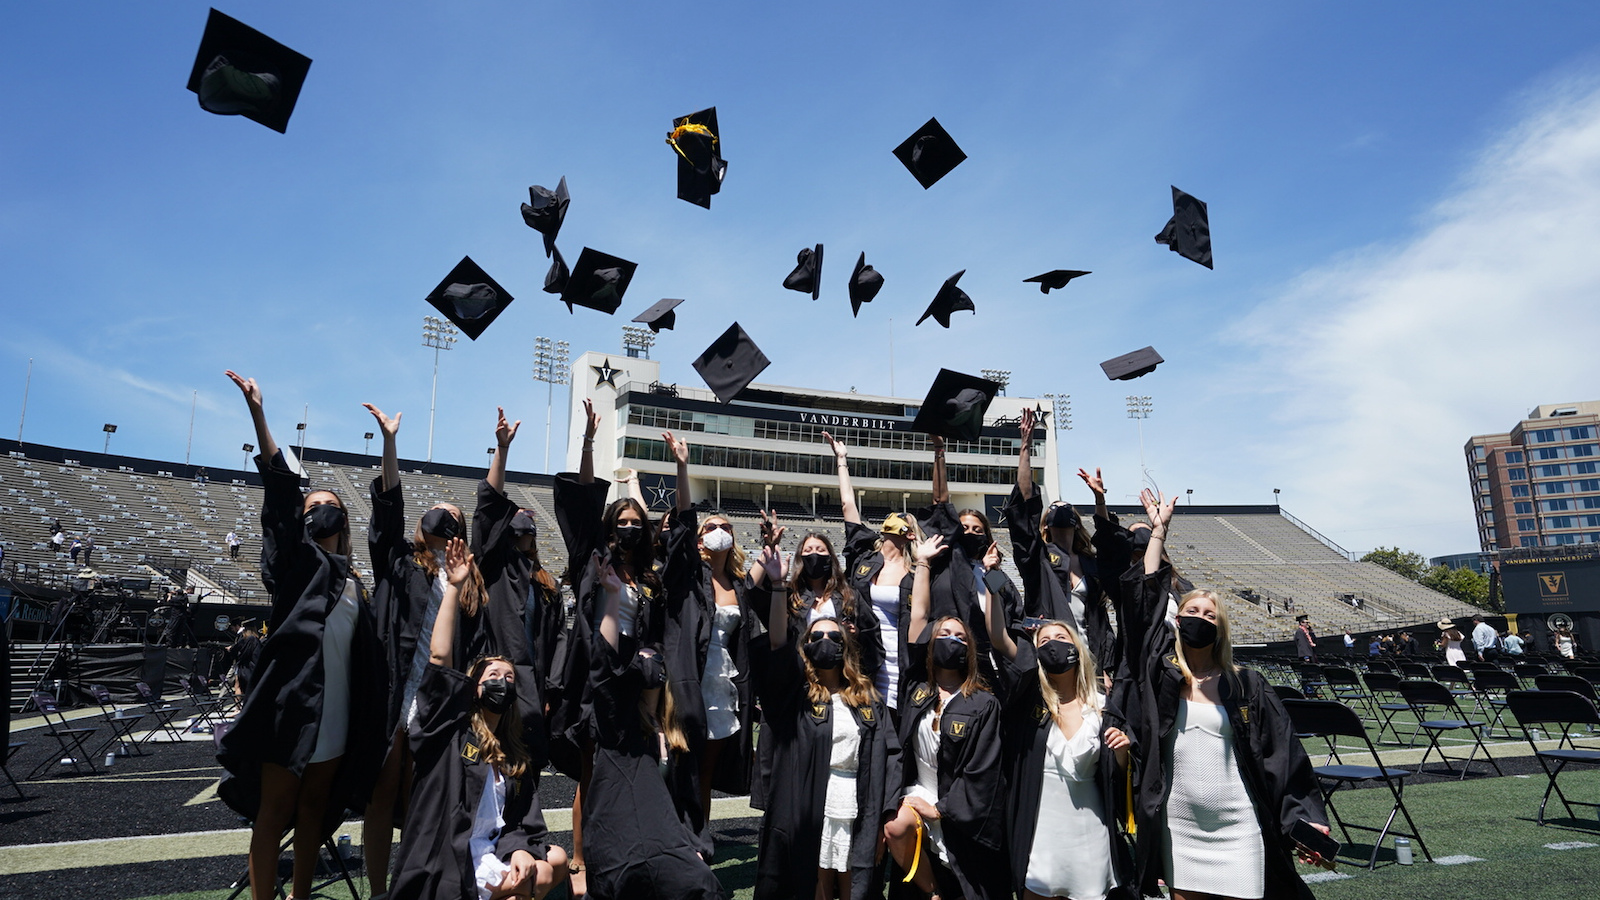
[717,540]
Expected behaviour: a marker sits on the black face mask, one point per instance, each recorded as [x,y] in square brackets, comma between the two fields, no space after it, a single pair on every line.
[498,695]
[949,653]
[324,521]
[973,545]
[1058,656]
[1141,540]
[654,670]
[816,565]
[1063,517]
[1197,632]
[628,535]
[440,523]
[825,654]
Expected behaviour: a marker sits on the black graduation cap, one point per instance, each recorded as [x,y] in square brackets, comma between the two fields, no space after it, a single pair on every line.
[949,299]
[524,523]
[555,280]
[731,363]
[660,315]
[470,298]
[1055,278]
[955,406]
[598,281]
[807,275]
[698,143]
[1188,232]
[545,211]
[929,154]
[865,283]
[241,72]
[1132,365]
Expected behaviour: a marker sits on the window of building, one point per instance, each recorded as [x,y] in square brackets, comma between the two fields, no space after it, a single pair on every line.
[1589,521]
[1550,472]
[1543,436]
[1479,452]
[1513,456]
[1528,540]
[1483,470]
[1558,521]
[1586,484]
[1522,508]
[1483,486]
[1589,502]
[1580,433]
[1586,468]
[1583,450]
[1517,474]
[1547,453]
[1553,540]
[1519,490]
[1555,505]
[1526,525]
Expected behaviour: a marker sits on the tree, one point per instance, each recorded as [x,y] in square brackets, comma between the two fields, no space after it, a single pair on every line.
[1403,562]
[1463,584]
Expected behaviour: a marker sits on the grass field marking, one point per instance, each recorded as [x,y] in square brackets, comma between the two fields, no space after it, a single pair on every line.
[208,795]
[113,779]
[1570,845]
[1318,877]
[1457,860]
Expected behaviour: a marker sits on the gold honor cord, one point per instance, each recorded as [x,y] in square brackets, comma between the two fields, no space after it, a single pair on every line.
[916,851]
[688,128]
[1127,778]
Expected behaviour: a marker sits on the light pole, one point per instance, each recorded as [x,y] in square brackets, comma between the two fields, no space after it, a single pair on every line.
[1139,408]
[26,386]
[189,444]
[248,449]
[440,335]
[109,429]
[300,426]
[636,341]
[1276,500]
[1061,411]
[366,449]
[550,363]
[1001,376]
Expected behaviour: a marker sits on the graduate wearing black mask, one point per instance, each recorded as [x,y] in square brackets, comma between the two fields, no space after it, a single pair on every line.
[1210,828]
[598,538]
[948,833]
[471,769]
[310,739]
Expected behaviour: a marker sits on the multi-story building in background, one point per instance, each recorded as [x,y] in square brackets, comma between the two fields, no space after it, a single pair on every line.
[1538,485]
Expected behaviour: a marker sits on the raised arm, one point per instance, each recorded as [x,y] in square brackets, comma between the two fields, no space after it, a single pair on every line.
[1098,486]
[457,568]
[770,566]
[921,586]
[258,415]
[504,433]
[999,624]
[635,489]
[611,602]
[680,453]
[761,572]
[1160,513]
[847,494]
[391,454]
[941,486]
[1025,455]
[591,425]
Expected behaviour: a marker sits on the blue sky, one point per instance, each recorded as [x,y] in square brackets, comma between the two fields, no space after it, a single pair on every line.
[1394,188]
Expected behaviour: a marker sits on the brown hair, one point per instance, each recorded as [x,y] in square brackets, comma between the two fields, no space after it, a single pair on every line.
[838,584]
[988,530]
[858,690]
[641,561]
[540,573]
[503,746]
[667,716]
[974,682]
[473,594]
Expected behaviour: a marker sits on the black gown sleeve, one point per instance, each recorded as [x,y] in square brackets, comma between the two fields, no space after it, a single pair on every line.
[492,537]
[579,509]
[1027,545]
[444,706]
[285,555]
[682,566]
[859,543]
[1284,761]
[387,540]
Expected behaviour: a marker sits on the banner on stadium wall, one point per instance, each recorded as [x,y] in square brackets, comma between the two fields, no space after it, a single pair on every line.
[994,506]
[1555,586]
[660,491]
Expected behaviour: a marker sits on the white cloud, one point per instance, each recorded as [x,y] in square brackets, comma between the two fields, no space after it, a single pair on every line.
[1382,363]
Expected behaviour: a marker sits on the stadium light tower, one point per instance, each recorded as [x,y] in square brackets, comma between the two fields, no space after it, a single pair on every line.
[550,363]
[636,341]
[1139,408]
[109,429]
[1061,411]
[1000,376]
[439,335]
[248,449]
[366,449]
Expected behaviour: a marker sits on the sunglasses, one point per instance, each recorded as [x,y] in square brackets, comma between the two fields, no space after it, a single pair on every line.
[713,526]
[836,636]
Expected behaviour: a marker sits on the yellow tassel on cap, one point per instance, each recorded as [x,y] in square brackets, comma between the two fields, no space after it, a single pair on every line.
[688,128]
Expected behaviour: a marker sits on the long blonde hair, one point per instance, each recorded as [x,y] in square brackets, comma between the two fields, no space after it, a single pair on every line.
[858,690]
[473,594]
[1221,651]
[1087,678]
[503,746]
[737,561]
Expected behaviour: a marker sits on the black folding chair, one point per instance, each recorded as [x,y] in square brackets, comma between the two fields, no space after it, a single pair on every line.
[1527,672]
[1589,673]
[1556,710]
[73,751]
[1328,719]
[1347,688]
[1455,678]
[1415,670]
[1425,696]
[207,706]
[162,712]
[1493,685]
[1311,679]
[121,722]
[5,766]
[1288,692]
[1381,663]
[1385,690]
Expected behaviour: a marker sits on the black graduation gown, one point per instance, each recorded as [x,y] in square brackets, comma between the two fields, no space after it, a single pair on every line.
[1047,578]
[1025,735]
[862,563]
[283,710]
[435,859]
[245,651]
[971,808]
[579,509]
[635,844]
[520,614]
[797,781]
[1272,763]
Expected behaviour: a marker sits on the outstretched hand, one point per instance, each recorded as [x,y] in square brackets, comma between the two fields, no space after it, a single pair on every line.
[680,449]
[592,423]
[771,531]
[925,551]
[991,557]
[1026,425]
[1159,510]
[389,427]
[248,387]
[1095,482]
[771,560]
[504,432]
[839,449]
[610,581]
[457,562]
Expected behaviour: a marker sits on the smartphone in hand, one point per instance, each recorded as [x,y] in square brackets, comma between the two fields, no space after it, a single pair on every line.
[1315,843]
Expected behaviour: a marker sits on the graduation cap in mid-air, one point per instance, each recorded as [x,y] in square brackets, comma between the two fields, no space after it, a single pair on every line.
[1054,279]
[807,275]
[698,143]
[523,523]
[949,299]
[1188,232]
[660,315]
[865,283]
[955,406]
[929,153]
[555,280]
[598,281]
[545,211]
[241,72]
[1132,365]
[470,298]
[731,363]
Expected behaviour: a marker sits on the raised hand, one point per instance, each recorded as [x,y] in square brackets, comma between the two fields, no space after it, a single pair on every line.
[1095,482]
[772,563]
[592,424]
[389,427]
[936,442]
[610,581]
[839,449]
[457,562]
[1159,510]
[771,531]
[248,387]
[680,449]
[505,433]
[925,551]
[1025,426]
[991,556]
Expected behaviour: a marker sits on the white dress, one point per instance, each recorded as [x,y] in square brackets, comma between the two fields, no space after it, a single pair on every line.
[839,803]
[925,750]
[716,682]
[488,868]
[1213,839]
[1071,854]
[338,631]
[824,610]
[1453,654]
[886,606]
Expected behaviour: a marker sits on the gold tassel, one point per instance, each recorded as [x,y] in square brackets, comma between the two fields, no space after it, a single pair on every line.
[688,128]
[916,852]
